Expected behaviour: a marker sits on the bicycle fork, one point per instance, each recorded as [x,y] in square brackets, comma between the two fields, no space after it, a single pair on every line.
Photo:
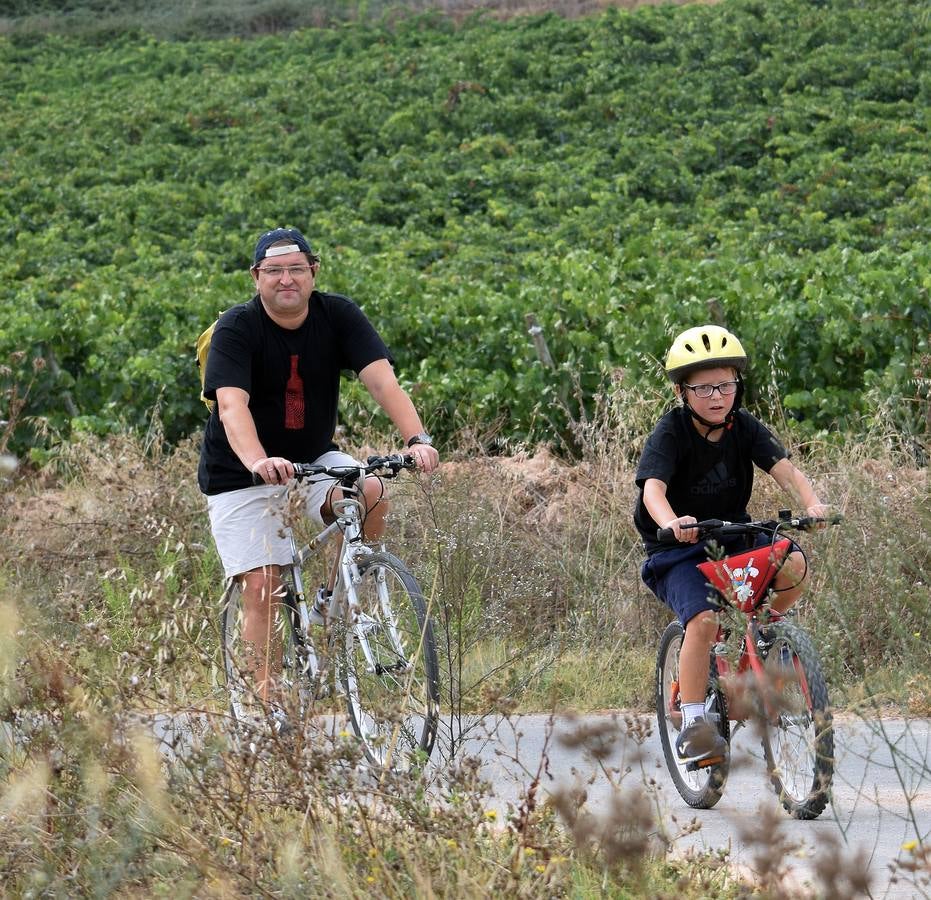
[364,624]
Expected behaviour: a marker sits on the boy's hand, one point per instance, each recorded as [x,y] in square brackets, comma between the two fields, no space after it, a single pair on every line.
[686,536]
[818,511]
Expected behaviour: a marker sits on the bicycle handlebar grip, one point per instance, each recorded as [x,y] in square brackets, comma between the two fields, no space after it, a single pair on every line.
[257,479]
[665,535]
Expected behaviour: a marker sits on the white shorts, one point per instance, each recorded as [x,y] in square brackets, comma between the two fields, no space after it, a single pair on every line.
[248,525]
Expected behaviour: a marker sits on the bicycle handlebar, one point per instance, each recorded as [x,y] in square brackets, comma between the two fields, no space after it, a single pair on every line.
[720,528]
[386,466]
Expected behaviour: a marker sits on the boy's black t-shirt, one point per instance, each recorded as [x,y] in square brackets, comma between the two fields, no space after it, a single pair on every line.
[291,376]
[705,479]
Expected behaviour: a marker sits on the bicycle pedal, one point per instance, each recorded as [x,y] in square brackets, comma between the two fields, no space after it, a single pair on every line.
[704,763]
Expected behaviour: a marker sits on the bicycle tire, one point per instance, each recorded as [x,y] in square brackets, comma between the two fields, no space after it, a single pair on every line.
[391,675]
[701,788]
[240,691]
[798,744]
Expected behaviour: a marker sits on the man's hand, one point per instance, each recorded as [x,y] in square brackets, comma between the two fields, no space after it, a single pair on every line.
[273,469]
[426,457]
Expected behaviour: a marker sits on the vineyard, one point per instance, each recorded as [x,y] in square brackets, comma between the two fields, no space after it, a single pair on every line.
[611,178]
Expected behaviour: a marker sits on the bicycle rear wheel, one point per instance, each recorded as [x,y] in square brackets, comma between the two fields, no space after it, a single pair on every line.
[701,787]
[390,671]
[238,658]
[798,740]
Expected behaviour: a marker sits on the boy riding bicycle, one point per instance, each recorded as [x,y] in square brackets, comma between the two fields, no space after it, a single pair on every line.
[698,464]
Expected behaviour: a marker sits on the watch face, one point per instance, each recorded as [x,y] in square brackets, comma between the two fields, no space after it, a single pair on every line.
[422,438]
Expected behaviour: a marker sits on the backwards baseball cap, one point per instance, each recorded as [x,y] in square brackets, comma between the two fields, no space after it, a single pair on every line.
[298,244]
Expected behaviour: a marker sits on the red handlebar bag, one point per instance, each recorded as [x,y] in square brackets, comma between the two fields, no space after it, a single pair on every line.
[742,579]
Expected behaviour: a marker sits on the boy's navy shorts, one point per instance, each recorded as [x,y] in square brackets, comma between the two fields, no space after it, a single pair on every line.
[674,577]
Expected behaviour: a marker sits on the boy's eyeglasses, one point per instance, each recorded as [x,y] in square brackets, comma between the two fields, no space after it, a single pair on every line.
[704,391]
[276,272]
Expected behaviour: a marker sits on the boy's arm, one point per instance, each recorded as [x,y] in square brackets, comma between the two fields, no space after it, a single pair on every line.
[654,499]
[798,487]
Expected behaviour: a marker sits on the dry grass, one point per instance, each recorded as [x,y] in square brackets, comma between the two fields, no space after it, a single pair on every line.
[109,607]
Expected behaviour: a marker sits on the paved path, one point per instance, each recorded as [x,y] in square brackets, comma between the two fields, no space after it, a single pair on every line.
[881,794]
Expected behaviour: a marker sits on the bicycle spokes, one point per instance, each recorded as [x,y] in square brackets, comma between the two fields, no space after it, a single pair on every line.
[390,672]
[798,736]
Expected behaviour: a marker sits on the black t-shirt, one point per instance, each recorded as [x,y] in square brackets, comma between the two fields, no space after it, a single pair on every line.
[705,479]
[291,376]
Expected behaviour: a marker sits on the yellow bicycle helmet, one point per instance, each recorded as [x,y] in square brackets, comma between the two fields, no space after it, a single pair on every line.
[704,347]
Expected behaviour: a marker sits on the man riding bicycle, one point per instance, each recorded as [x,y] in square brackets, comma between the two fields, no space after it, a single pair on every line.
[698,464]
[273,369]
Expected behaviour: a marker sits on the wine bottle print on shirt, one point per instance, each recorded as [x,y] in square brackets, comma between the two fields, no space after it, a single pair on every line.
[294,398]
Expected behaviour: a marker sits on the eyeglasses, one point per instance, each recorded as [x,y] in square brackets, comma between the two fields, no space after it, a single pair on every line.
[725,389]
[275,272]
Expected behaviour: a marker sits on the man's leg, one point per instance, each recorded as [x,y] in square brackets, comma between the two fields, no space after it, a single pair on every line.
[261,590]
[376,507]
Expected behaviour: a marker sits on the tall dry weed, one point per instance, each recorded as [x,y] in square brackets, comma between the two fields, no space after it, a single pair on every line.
[110,591]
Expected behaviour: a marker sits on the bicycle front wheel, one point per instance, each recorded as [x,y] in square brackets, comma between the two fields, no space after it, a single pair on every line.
[798,738]
[390,671]
[701,787]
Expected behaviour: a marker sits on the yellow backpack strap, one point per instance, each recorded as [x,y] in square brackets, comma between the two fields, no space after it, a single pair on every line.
[202,349]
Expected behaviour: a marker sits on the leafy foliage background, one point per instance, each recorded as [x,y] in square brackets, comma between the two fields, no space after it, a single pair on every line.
[620,177]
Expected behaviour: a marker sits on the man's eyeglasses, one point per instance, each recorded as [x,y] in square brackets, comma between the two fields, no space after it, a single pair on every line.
[725,389]
[275,272]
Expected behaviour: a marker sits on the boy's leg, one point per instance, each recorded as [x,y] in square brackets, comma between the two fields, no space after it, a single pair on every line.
[790,582]
[694,656]
[674,578]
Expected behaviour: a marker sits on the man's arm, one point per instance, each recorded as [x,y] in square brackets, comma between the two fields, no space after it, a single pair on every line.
[237,421]
[798,487]
[380,381]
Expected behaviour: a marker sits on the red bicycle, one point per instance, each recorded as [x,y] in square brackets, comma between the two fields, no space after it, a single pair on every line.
[764,668]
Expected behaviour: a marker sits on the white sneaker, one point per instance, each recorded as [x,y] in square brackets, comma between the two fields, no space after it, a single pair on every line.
[320,609]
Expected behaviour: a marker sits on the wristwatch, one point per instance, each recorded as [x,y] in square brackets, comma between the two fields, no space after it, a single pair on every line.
[422,438]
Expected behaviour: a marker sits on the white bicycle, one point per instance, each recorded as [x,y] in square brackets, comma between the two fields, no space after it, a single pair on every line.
[375,645]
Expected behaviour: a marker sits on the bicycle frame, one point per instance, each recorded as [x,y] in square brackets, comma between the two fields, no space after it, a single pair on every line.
[379,652]
[350,513]
[746,587]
